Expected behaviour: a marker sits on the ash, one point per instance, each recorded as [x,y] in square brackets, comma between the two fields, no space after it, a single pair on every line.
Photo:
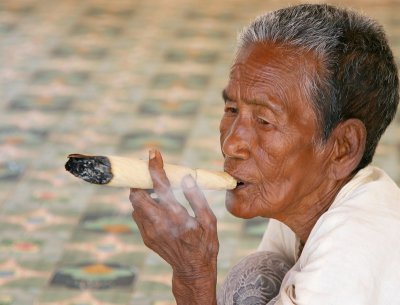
[95,170]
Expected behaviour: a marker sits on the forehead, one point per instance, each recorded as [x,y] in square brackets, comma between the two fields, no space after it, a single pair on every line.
[264,72]
[267,58]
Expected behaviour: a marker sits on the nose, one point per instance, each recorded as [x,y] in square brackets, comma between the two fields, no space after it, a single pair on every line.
[236,141]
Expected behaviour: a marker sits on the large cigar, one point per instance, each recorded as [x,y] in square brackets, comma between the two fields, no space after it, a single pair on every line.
[134,173]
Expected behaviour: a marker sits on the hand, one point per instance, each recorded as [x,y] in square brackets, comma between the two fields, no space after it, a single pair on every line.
[189,244]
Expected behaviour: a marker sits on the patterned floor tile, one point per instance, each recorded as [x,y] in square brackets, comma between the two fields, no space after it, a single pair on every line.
[118,77]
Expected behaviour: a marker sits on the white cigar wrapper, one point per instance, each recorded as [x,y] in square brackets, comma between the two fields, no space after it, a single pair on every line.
[134,173]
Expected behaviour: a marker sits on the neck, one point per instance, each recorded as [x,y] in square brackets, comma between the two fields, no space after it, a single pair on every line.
[302,218]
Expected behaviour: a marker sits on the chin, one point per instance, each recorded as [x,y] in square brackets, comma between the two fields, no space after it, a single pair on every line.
[238,208]
[247,207]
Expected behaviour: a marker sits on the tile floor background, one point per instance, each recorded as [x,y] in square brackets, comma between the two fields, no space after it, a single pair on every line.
[116,77]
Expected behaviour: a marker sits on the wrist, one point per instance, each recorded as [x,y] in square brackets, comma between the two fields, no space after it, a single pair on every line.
[197,288]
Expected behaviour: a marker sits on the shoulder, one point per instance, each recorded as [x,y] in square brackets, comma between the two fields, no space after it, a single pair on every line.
[279,238]
[366,212]
[353,248]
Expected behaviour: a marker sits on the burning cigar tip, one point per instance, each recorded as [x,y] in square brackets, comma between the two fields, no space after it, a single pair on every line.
[93,169]
[126,172]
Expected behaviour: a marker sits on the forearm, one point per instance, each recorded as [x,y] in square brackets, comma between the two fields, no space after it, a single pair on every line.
[196,289]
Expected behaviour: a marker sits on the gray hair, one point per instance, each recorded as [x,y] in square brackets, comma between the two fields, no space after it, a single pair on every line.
[360,78]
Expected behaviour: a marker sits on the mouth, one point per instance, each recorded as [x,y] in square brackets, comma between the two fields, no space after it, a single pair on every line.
[240,184]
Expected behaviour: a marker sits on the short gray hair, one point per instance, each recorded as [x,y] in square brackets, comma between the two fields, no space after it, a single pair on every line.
[360,78]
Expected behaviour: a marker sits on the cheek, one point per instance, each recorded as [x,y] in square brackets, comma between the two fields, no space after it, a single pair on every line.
[270,150]
[282,149]
[288,170]
[278,162]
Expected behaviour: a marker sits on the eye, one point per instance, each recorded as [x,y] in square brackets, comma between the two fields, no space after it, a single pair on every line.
[231,109]
[262,121]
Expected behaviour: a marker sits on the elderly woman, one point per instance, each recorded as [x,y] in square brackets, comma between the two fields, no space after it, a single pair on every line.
[310,93]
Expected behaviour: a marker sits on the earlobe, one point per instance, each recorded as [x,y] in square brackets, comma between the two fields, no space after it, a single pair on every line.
[349,146]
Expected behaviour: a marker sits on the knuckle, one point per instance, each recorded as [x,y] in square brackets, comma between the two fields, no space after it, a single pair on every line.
[135,195]
[211,219]
[162,184]
[193,194]
[178,211]
[150,235]
[137,217]
[147,243]
[163,192]
[214,220]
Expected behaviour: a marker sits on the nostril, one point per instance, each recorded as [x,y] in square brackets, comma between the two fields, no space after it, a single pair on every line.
[237,152]
[236,147]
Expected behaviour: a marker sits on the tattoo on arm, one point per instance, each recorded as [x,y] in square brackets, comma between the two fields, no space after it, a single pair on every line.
[255,280]
[273,301]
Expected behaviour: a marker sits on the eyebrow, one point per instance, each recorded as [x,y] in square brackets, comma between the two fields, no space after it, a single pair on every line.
[267,103]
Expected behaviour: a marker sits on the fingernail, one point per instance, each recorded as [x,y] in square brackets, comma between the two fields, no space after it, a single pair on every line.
[188,181]
[152,153]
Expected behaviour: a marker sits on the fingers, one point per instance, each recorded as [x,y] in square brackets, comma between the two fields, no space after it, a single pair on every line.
[153,195]
[198,201]
[141,199]
[142,203]
[146,213]
[161,184]
[146,228]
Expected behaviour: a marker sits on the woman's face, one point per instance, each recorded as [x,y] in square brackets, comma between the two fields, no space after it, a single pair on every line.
[269,135]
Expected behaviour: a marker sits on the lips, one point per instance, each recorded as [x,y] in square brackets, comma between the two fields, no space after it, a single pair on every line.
[237,171]
[240,184]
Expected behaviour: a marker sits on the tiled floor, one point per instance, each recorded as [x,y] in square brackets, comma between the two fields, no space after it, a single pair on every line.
[117,77]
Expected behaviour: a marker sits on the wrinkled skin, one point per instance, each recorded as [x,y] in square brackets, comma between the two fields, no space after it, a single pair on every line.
[269,134]
[189,244]
[270,140]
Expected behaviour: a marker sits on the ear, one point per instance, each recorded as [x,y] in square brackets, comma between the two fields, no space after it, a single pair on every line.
[349,144]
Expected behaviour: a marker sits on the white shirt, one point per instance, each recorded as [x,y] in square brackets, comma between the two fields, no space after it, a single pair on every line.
[352,256]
